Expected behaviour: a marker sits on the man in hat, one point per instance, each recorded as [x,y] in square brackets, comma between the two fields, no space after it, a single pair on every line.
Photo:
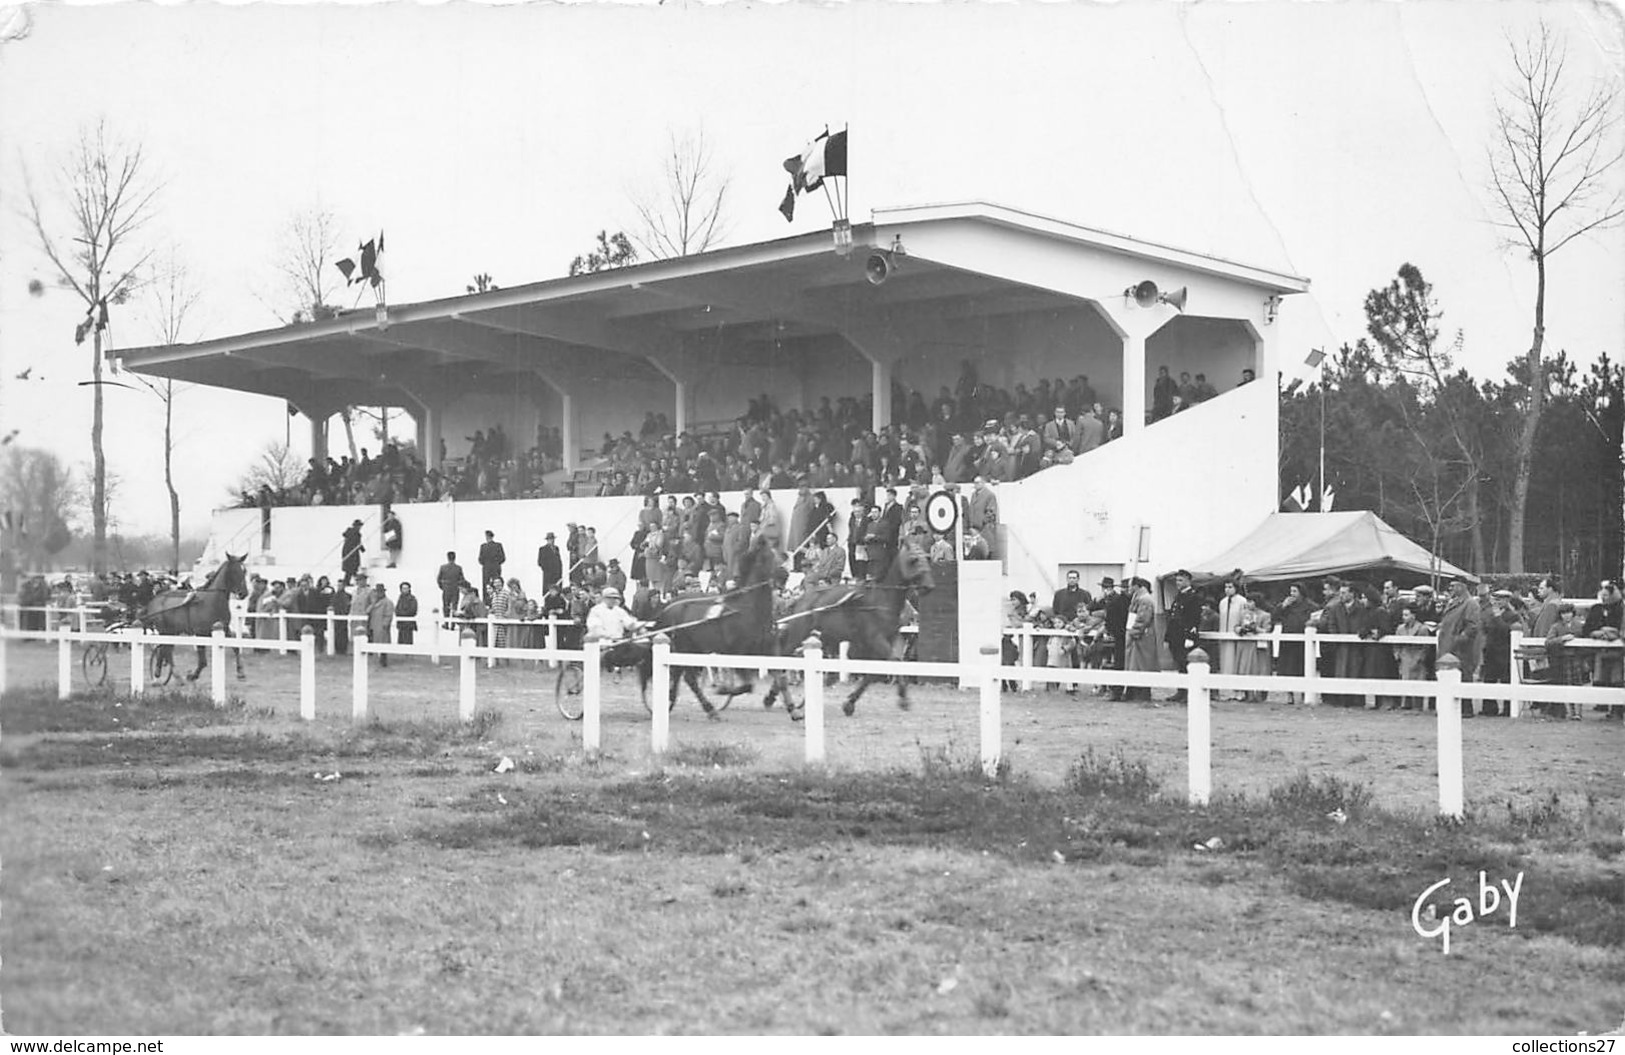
[551,562]
[1460,634]
[449,578]
[608,620]
[984,515]
[1115,607]
[1184,625]
[615,577]
[491,558]
[350,552]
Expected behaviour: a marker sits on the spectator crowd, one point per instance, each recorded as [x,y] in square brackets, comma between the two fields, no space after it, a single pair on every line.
[1400,634]
[973,429]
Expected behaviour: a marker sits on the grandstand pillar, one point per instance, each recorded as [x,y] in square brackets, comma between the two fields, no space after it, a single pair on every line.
[429,427]
[318,438]
[567,429]
[1133,385]
[681,417]
[881,377]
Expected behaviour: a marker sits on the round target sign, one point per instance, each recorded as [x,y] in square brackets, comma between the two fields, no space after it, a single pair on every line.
[941,511]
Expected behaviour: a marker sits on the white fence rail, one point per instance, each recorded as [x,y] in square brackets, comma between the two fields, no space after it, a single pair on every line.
[1198,684]
[217,643]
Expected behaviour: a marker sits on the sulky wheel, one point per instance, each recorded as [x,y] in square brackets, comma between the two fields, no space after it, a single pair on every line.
[94,664]
[567,691]
[162,665]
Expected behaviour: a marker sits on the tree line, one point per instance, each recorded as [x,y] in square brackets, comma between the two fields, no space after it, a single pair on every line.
[1415,439]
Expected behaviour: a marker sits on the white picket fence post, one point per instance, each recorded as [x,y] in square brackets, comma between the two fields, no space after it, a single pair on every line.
[991,718]
[660,728]
[490,641]
[282,632]
[331,644]
[467,673]
[217,668]
[307,674]
[1198,728]
[434,636]
[813,697]
[1448,672]
[1311,665]
[358,675]
[844,653]
[1515,707]
[1024,634]
[592,682]
[64,662]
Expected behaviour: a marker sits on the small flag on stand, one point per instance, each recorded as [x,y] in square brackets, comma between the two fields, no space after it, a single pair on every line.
[1313,360]
[368,272]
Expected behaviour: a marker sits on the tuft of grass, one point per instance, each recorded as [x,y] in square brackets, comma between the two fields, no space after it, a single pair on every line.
[37,710]
[713,755]
[1113,776]
[1304,795]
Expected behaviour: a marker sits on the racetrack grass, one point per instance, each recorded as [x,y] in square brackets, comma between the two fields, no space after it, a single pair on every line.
[385,879]
[113,711]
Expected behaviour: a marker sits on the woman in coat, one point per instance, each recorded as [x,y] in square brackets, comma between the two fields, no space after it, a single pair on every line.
[380,619]
[1232,609]
[1141,651]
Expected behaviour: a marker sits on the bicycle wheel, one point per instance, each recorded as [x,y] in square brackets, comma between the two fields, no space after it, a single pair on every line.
[671,699]
[162,665]
[567,691]
[94,664]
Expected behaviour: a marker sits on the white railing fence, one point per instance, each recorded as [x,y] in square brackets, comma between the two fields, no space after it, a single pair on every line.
[811,662]
[138,643]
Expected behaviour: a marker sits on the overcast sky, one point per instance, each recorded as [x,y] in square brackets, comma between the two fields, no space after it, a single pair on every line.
[1334,141]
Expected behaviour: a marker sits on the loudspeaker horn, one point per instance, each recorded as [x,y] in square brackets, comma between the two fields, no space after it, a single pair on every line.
[1145,294]
[1176,299]
[878,268]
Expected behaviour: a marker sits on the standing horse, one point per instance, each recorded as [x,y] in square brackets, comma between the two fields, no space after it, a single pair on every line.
[866,615]
[738,623]
[193,613]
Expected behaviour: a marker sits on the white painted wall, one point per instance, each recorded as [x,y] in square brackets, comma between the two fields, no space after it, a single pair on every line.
[1201,480]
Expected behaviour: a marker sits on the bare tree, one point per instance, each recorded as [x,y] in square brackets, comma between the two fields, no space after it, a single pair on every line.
[174,297]
[306,254]
[276,468]
[40,495]
[1550,166]
[109,192]
[684,214]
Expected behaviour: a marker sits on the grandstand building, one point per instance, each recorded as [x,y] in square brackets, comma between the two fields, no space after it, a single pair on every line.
[923,292]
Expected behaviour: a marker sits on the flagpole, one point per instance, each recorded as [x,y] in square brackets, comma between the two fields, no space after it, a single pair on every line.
[1321,504]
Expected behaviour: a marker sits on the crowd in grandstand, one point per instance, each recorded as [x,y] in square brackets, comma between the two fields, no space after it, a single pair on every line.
[971,430]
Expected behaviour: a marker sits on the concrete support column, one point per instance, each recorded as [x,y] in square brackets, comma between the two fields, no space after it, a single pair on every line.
[881,379]
[1134,398]
[318,439]
[433,422]
[567,429]
[681,417]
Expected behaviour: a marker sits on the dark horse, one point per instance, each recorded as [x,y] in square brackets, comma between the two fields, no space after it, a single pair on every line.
[738,622]
[866,615]
[194,612]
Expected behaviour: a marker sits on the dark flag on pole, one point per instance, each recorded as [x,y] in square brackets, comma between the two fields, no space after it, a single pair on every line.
[368,272]
[824,157]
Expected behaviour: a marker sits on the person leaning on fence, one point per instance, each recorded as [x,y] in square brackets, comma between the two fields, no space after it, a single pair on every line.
[1412,660]
[1569,666]
[406,611]
[380,616]
[1460,634]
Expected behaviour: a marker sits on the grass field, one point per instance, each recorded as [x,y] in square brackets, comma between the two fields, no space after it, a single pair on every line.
[168,867]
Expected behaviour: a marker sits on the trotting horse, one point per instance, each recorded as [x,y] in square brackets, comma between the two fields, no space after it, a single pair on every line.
[188,613]
[866,615]
[738,622]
